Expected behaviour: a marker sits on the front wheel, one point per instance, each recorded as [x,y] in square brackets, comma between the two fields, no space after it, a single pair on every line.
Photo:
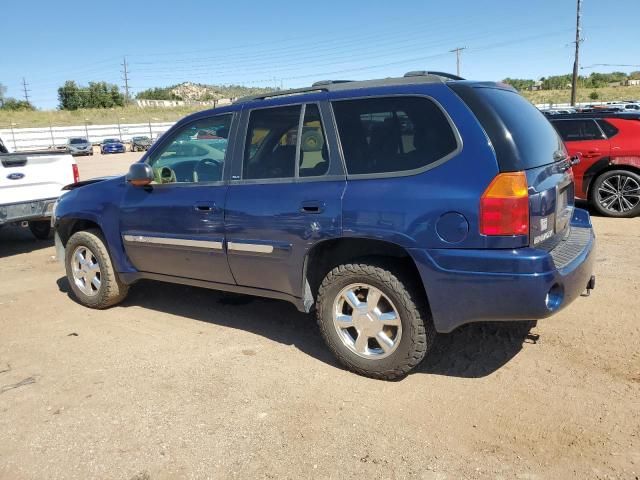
[41,229]
[616,193]
[90,272]
[373,320]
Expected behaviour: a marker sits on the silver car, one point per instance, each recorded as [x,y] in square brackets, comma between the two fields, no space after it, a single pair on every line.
[79,146]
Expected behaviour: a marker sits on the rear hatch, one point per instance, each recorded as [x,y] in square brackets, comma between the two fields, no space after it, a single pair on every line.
[32,176]
[525,141]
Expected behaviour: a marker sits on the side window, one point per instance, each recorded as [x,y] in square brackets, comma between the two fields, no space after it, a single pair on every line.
[392,134]
[608,129]
[577,130]
[314,154]
[195,153]
[270,146]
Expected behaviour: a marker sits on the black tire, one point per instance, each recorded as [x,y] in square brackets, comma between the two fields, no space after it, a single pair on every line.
[615,178]
[41,229]
[112,290]
[418,332]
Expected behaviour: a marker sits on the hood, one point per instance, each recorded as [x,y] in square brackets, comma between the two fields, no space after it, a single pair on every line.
[73,186]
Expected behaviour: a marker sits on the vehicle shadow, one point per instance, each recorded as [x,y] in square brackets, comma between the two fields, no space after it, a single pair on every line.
[472,351]
[478,349]
[17,240]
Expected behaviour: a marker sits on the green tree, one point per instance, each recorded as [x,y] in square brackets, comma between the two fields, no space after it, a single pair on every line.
[594,95]
[96,95]
[14,104]
[158,94]
[519,83]
[69,96]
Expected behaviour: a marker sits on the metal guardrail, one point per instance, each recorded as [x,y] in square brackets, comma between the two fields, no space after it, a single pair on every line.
[54,137]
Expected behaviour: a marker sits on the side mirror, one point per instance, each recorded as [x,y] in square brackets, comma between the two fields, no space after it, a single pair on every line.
[140,174]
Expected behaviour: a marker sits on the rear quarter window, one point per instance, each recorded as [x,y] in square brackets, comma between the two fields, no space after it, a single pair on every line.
[521,135]
[384,135]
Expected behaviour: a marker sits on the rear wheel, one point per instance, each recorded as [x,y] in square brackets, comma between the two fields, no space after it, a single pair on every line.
[90,272]
[41,229]
[616,193]
[373,320]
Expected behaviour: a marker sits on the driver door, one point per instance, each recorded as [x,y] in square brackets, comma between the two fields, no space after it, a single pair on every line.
[175,226]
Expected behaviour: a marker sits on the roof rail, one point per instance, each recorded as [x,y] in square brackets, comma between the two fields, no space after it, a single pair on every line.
[422,73]
[339,85]
[282,93]
[321,83]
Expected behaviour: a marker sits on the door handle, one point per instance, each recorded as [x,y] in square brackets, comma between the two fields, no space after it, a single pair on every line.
[312,206]
[591,153]
[205,207]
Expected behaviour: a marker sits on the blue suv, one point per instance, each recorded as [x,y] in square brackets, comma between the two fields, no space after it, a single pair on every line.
[393,209]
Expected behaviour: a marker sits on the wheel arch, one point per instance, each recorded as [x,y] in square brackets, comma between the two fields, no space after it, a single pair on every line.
[598,169]
[328,254]
[66,227]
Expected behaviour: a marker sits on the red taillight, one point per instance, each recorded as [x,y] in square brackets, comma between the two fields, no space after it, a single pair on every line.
[504,206]
[76,173]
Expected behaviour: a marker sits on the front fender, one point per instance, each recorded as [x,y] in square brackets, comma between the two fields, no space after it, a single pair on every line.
[91,206]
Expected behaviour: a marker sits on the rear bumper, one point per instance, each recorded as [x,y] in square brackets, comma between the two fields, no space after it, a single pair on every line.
[33,210]
[465,286]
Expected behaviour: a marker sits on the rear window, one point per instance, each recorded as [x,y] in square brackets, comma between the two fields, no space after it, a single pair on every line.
[608,129]
[577,130]
[392,134]
[521,135]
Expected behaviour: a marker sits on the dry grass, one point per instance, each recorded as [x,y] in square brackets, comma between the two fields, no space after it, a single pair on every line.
[606,94]
[42,118]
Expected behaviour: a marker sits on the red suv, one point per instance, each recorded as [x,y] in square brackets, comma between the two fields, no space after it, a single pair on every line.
[608,145]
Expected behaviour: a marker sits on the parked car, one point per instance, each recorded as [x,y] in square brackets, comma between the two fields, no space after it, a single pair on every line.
[395,221]
[30,183]
[79,146]
[112,145]
[139,144]
[608,147]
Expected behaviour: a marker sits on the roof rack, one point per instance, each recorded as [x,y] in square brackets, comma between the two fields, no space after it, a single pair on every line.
[282,93]
[336,85]
[421,73]
[323,83]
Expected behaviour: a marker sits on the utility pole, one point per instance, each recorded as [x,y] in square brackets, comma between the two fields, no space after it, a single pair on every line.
[458,51]
[125,77]
[26,90]
[574,80]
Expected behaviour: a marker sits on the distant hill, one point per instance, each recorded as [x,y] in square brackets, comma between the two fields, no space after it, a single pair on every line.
[189,91]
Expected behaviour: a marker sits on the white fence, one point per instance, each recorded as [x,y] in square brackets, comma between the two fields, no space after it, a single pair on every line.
[20,139]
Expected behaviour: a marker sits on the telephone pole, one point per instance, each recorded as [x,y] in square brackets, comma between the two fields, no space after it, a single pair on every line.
[574,80]
[125,77]
[26,90]
[458,51]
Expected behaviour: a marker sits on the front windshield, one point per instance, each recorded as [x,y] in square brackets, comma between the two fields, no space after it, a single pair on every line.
[77,141]
[111,140]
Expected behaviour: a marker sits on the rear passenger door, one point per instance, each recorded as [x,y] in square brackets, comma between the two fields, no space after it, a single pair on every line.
[284,196]
[585,138]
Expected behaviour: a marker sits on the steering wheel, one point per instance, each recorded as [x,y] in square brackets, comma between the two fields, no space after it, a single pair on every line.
[208,170]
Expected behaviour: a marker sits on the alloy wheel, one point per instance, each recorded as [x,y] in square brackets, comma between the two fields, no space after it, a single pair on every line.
[366,321]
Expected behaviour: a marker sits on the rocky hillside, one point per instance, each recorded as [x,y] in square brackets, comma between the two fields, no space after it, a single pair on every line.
[189,91]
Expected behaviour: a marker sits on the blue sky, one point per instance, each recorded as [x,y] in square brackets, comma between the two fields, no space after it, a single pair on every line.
[293,43]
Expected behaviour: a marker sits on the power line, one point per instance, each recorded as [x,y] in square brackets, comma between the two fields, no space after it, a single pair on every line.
[458,51]
[125,78]
[574,79]
[26,90]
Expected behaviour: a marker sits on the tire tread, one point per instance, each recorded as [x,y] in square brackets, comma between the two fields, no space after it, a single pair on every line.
[421,327]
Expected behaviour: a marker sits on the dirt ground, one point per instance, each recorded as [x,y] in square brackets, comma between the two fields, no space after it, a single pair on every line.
[181,382]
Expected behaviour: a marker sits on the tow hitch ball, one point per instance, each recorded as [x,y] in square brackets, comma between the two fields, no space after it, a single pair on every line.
[591,285]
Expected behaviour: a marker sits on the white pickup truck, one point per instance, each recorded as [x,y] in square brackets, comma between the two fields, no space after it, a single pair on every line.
[30,183]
